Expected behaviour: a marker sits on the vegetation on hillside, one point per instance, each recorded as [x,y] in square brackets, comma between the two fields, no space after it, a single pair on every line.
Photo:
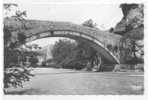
[15,71]
[131,28]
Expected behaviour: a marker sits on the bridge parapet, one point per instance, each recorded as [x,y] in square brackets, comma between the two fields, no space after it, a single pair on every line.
[36,26]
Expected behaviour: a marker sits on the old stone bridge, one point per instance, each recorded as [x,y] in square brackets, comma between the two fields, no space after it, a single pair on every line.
[92,36]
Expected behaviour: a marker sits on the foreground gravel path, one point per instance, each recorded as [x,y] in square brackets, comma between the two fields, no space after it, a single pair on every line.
[69,82]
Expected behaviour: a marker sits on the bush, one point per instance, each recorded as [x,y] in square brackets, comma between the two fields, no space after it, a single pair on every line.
[15,75]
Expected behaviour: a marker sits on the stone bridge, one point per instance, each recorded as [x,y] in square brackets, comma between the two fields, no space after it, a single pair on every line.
[92,36]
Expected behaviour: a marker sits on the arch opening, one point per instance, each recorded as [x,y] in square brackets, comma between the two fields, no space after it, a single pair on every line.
[91,41]
[83,54]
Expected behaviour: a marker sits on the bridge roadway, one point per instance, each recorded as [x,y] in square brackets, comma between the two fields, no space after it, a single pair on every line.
[49,81]
[94,37]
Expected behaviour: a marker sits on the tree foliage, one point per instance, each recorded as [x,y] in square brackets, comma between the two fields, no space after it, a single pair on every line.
[134,20]
[76,55]
[15,72]
[89,23]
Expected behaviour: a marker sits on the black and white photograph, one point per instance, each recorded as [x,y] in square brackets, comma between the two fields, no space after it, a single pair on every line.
[72,48]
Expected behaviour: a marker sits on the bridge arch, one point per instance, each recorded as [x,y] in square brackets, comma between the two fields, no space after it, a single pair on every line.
[92,36]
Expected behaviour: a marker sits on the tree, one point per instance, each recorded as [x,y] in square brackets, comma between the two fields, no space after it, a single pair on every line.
[15,72]
[77,55]
[128,51]
[132,29]
[89,23]
[63,52]
[111,29]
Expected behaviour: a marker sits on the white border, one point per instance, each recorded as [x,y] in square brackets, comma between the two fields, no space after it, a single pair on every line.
[86,97]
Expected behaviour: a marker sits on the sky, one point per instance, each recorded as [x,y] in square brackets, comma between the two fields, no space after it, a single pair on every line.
[105,15]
